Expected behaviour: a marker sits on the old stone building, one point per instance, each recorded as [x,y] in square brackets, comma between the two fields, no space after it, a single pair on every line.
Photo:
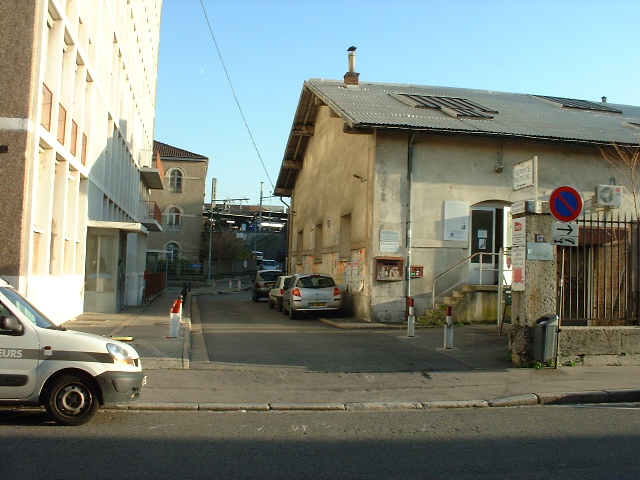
[393,185]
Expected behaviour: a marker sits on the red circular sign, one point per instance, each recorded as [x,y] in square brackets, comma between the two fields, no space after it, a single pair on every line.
[565,204]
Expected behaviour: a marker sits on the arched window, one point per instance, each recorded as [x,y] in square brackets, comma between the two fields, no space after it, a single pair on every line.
[173,218]
[173,251]
[175,181]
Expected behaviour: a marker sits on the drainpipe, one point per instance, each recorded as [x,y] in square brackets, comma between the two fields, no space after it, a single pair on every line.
[287,261]
[410,315]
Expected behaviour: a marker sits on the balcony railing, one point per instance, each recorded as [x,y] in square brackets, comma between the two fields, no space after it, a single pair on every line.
[152,211]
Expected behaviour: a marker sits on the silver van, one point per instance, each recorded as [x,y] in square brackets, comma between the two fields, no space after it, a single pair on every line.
[70,373]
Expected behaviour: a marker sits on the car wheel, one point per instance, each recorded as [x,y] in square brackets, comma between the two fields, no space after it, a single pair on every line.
[254,297]
[70,400]
[270,303]
[292,313]
[279,304]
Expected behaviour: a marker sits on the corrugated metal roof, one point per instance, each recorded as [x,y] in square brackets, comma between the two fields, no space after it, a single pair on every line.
[377,106]
[373,105]
[176,153]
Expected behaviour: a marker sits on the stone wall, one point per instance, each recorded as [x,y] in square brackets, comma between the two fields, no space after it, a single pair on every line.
[590,346]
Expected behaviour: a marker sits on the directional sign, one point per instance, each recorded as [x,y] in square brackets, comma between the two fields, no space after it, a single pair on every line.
[565,234]
[565,204]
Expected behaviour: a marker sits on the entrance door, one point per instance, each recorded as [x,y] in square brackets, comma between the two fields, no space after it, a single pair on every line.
[487,238]
[122,273]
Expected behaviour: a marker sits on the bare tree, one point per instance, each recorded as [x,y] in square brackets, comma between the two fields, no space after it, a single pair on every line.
[626,160]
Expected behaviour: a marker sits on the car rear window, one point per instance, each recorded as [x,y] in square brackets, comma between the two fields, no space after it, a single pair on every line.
[270,275]
[316,282]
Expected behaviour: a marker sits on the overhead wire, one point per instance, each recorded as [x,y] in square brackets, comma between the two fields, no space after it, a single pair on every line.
[235,97]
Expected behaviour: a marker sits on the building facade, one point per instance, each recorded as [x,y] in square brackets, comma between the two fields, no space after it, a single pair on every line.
[77,110]
[393,185]
[180,205]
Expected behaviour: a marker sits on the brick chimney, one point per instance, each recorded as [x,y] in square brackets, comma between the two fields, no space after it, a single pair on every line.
[351,77]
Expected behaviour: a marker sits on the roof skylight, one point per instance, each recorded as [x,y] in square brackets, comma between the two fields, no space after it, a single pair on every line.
[579,104]
[453,106]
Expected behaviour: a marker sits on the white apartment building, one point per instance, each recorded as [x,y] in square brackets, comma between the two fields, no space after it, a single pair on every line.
[77,108]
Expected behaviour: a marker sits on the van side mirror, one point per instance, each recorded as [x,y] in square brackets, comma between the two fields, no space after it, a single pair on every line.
[11,324]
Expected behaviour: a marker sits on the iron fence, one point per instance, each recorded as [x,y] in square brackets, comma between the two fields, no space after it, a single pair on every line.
[598,277]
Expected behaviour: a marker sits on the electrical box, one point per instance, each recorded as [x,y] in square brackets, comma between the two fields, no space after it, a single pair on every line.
[417,271]
[608,195]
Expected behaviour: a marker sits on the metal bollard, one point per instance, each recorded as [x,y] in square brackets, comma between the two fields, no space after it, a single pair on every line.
[448,329]
[411,321]
[239,282]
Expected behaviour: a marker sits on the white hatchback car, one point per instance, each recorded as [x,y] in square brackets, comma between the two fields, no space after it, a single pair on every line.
[308,293]
[275,294]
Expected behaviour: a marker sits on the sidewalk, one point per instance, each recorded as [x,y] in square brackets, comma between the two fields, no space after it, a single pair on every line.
[180,378]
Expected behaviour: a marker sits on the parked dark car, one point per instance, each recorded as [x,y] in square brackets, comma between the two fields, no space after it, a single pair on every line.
[263,282]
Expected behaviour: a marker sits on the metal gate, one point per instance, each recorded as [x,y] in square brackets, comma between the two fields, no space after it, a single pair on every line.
[598,277]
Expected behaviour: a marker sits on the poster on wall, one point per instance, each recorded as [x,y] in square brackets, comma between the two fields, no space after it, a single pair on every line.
[518,255]
[456,221]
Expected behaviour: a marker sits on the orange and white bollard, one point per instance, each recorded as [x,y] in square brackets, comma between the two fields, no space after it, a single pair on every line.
[448,329]
[174,324]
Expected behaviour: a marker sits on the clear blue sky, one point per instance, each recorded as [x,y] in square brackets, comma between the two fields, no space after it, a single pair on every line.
[582,49]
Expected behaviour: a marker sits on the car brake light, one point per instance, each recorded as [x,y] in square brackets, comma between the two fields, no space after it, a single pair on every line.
[281,291]
[295,292]
[336,292]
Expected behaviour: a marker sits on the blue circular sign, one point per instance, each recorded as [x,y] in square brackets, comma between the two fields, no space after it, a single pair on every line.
[565,204]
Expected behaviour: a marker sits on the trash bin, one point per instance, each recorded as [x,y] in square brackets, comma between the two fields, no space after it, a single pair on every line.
[545,338]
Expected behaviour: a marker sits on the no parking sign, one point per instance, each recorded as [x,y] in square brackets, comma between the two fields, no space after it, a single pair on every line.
[565,204]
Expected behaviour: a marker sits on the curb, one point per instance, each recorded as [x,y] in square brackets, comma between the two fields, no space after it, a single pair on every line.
[593,397]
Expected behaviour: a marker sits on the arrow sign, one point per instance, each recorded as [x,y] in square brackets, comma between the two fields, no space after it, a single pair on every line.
[565,233]
[566,228]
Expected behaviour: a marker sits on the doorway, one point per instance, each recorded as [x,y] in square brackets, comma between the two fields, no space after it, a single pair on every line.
[489,230]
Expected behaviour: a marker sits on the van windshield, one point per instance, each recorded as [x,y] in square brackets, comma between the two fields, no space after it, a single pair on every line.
[24,307]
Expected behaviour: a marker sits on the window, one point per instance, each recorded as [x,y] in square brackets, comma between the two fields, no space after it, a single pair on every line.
[47,101]
[453,106]
[74,138]
[83,152]
[317,244]
[62,123]
[299,246]
[345,237]
[175,181]
[173,218]
[173,251]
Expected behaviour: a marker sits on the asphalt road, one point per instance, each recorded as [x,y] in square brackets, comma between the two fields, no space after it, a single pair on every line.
[242,332]
[527,443]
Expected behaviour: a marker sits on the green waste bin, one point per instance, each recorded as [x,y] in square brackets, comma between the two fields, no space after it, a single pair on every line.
[545,338]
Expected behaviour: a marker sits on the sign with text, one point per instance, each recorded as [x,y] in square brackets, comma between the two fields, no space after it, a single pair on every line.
[519,234]
[523,174]
[518,256]
[389,241]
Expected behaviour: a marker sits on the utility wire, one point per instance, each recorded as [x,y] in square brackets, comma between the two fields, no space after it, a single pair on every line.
[235,96]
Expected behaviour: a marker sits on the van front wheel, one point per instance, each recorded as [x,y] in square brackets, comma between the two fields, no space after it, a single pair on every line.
[70,400]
